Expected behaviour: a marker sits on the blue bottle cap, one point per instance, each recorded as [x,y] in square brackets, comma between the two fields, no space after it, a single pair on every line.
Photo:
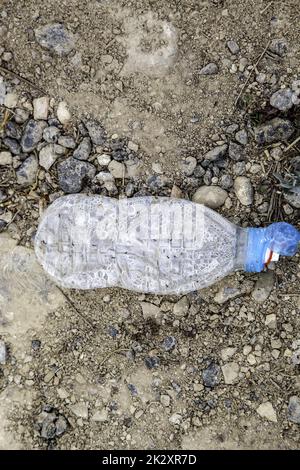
[280,238]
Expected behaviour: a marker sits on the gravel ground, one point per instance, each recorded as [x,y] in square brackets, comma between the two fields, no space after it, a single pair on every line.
[196,100]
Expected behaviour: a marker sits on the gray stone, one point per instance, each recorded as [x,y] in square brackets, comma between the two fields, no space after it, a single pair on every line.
[263,287]
[13,145]
[80,410]
[61,425]
[243,190]
[72,174]
[276,130]
[209,69]
[83,150]
[236,151]
[27,172]
[282,99]
[51,134]
[216,153]
[2,91]
[32,135]
[55,38]
[294,409]
[242,137]
[96,132]
[169,343]
[233,47]
[211,375]
[188,165]
[279,47]
[293,199]
[226,181]
[210,196]
[67,141]
[3,352]
[49,154]
[239,168]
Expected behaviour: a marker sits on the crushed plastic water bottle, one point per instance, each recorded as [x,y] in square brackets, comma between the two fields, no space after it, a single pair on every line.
[151,244]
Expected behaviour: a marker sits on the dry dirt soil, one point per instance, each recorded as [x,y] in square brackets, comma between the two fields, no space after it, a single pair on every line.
[84,356]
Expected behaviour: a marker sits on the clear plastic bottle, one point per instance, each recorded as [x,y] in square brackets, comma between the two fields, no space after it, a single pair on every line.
[150,244]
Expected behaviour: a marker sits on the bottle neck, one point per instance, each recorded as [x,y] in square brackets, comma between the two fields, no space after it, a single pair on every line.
[241,248]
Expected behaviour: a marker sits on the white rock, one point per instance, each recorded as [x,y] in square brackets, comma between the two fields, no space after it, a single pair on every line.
[11,100]
[80,409]
[117,169]
[266,410]
[151,311]
[132,146]
[176,418]
[230,372]
[227,353]
[244,191]
[63,114]
[49,154]
[181,308]
[41,108]
[210,196]
[5,158]
[104,159]
[271,321]
[100,416]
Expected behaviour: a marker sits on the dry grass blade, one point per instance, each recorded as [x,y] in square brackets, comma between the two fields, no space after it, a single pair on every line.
[22,79]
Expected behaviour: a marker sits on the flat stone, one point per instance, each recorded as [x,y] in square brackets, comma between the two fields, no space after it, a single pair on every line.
[100,416]
[263,287]
[5,158]
[11,100]
[266,410]
[227,293]
[230,372]
[32,135]
[210,196]
[49,154]
[117,169]
[67,141]
[243,190]
[27,172]
[293,199]
[216,153]
[73,173]
[41,108]
[294,409]
[151,311]
[276,130]
[80,410]
[227,353]
[83,150]
[181,307]
[209,69]
[55,38]
[271,321]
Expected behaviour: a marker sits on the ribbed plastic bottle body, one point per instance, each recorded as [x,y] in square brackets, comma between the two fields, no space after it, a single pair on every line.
[146,244]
